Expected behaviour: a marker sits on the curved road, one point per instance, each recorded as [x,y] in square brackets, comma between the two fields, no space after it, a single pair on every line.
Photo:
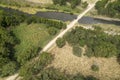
[52,42]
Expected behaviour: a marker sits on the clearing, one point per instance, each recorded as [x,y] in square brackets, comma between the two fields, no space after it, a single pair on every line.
[31,35]
[64,60]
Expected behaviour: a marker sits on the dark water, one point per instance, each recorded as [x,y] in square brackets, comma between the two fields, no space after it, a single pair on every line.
[57,15]
[66,17]
[91,20]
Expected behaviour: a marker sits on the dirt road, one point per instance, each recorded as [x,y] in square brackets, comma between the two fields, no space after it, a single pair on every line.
[70,26]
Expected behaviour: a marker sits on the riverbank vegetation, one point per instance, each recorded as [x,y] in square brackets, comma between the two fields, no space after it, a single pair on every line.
[32,8]
[73,3]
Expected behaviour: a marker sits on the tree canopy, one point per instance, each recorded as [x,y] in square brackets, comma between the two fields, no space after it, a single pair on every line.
[99,44]
[73,3]
[109,8]
[7,42]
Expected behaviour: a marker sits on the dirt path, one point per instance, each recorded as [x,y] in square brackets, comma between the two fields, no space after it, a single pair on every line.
[69,26]
[13,77]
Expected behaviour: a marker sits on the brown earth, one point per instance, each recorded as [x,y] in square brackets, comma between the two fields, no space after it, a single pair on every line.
[109,69]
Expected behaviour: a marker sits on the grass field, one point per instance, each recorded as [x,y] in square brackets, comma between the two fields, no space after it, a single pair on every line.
[31,35]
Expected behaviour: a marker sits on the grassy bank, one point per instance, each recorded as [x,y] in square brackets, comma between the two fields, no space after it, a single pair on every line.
[33,6]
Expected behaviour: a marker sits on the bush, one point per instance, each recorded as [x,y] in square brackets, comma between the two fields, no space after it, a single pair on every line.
[52,74]
[84,4]
[31,69]
[9,69]
[77,51]
[60,42]
[91,78]
[27,55]
[78,77]
[95,67]
[52,31]
[99,44]
[118,59]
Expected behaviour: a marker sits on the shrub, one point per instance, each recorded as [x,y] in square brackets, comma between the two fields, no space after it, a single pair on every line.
[77,51]
[91,78]
[9,69]
[84,4]
[52,31]
[118,58]
[78,77]
[34,67]
[95,67]
[60,42]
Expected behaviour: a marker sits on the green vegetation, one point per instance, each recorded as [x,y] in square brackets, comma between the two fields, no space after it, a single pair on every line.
[50,22]
[18,3]
[37,70]
[52,31]
[30,70]
[8,19]
[22,37]
[95,67]
[7,43]
[64,8]
[32,8]
[118,58]
[32,38]
[77,51]
[73,3]
[60,42]
[84,4]
[9,69]
[99,44]
[109,8]
[69,6]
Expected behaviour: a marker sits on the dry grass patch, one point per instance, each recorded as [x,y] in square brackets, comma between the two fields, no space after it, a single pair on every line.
[89,1]
[109,69]
[41,1]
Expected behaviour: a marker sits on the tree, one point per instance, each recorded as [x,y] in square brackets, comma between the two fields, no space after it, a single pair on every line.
[77,51]
[78,77]
[60,2]
[99,44]
[9,19]
[7,43]
[52,74]
[60,42]
[52,31]
[84,4]
[95,67]
[91,78]
[27,55]
[118,58]
[9,69]
[74,3]
[111,9]
[31,69]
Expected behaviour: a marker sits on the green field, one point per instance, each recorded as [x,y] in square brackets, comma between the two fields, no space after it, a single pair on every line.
[33,35]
